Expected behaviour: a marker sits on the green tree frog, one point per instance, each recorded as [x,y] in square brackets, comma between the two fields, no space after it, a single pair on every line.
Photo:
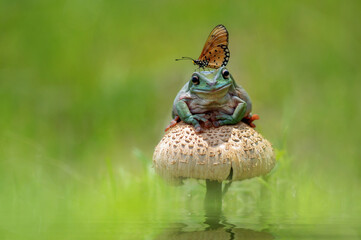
[212,98]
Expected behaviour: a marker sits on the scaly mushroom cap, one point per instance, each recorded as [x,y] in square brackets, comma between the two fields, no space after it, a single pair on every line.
[183,153]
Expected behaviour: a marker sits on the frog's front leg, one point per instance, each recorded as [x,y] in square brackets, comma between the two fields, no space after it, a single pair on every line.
[187,117]
[236,117]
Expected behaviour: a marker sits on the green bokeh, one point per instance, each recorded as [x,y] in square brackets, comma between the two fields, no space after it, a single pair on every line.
[86,89]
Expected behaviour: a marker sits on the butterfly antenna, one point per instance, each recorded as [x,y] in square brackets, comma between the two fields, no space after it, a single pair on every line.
[185,58]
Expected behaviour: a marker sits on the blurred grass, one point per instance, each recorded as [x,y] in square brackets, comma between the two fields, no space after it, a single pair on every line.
[86,89]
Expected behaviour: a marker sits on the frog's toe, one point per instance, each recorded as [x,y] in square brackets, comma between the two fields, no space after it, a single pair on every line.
[224,119]
[208,124]
[249,120]
[200,117]
[254,117]
[216,124]
[172,123]
[222,116]
[198,129]
[223,122]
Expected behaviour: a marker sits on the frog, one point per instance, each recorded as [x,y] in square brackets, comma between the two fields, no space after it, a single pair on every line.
[212,98]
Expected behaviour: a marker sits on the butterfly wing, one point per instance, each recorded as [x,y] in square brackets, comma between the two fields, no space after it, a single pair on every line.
[215,52]
[218,57]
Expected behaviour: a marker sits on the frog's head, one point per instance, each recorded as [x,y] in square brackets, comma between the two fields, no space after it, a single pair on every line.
[211,84]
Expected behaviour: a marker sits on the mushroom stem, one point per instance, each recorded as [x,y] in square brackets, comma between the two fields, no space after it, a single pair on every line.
[213,199]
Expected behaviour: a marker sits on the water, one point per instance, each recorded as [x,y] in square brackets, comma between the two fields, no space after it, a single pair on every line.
[217,229]
[263,227]
[141,206]
[179,215]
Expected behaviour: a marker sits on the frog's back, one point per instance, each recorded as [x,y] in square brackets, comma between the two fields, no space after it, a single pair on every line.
[183,93]
[242,94]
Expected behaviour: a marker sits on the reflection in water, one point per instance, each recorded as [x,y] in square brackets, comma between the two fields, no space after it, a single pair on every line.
[217,229]
[217,234]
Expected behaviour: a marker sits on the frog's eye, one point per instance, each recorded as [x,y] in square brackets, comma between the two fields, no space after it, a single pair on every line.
[195,79]
[225,73]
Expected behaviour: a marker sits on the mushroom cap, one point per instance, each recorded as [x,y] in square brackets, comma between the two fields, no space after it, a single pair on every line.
[213,154]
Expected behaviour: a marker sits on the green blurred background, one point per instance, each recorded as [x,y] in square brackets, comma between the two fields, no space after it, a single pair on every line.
[86,90]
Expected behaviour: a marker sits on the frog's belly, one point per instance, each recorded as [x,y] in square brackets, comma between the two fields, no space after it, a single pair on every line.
[197,107]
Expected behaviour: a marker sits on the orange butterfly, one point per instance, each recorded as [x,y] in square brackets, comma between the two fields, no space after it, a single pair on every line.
[215,53]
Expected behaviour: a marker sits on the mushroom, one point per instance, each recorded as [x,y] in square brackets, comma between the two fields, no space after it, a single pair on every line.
[230,152]
[213,154]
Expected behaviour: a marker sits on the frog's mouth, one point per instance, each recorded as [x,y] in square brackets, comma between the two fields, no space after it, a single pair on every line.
[216,92]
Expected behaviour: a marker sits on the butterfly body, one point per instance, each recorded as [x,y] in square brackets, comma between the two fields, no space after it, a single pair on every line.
[201,63]
[215,53]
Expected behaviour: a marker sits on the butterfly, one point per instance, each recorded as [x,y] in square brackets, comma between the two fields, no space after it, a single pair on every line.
[215,53]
